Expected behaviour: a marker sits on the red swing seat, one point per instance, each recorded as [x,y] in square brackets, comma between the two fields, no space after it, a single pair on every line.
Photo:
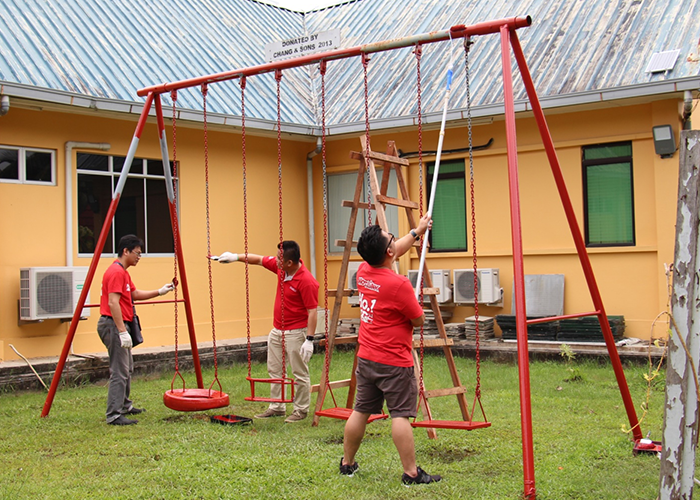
[342,413]
[194,399]
[451,424]
[281,381]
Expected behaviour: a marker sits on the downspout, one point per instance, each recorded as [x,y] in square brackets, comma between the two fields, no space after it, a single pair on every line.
[687,109]
[4,104]
[310,195]
[101,146]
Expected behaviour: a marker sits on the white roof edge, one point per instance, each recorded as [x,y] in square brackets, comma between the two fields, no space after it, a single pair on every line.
[134,107]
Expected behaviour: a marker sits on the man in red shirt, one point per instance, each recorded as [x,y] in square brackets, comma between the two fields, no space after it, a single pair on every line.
[388,313]
[115,324]
[297,323]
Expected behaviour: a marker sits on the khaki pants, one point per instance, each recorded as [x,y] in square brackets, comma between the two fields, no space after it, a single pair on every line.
[292,343]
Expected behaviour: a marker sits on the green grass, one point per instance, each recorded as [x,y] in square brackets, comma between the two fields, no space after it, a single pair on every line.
[580,449]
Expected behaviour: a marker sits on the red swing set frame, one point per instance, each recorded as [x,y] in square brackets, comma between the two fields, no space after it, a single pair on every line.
[506,29]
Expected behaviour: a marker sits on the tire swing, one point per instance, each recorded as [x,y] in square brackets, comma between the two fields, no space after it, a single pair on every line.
[282,381]
[467,424]
[199,399]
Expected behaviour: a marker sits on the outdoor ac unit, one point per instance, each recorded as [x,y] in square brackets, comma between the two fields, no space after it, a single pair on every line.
[50,292]
[490,291]
[352,282]
[440,279]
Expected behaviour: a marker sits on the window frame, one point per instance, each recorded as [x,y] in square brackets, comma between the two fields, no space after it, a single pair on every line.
[22,165]
[113,174]
[602,162]
[445,176]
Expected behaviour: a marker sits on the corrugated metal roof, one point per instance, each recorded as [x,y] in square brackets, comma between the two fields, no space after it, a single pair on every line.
[108,50]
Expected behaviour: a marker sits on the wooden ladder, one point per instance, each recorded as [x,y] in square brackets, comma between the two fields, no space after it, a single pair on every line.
[389,160]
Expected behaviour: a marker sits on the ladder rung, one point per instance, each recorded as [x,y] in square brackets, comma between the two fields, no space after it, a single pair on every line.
[333,385]
[394,160]
[433,343]
[445,392]
[431,291]
[348,292]
[340,340]
[363,205]
[341,243]
[397,202]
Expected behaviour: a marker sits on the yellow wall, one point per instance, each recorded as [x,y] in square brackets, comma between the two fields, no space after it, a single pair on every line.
[631,279]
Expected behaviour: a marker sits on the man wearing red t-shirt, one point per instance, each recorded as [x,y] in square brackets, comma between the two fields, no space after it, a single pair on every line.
[115,324]
[388,313]
[295,323]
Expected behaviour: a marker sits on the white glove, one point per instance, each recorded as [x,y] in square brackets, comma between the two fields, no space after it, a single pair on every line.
[307,349]
[226,257]
[125,340]
[168,287]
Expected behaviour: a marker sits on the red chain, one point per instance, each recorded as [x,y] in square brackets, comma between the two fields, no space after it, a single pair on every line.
[176,232]
[327,360]
[477,390]
[206,184]
[245,222]
[365,60]
[419,279]
[281,273]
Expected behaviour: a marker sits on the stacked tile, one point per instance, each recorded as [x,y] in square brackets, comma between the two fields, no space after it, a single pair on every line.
[485,327]
[539,331]
[347,327]
[587,329]
[455,330]
[430,329]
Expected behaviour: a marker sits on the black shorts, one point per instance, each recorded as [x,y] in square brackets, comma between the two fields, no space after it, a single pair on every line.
[377,382]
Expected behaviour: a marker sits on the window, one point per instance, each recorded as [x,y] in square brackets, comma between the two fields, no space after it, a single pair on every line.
[342,187]
[608,194]
[449,232]
[143,207]
[27,165]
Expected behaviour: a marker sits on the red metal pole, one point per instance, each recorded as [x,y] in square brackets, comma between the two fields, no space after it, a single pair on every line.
[178,241]
[577,236]
[460,31]
[106,226]
[518,271]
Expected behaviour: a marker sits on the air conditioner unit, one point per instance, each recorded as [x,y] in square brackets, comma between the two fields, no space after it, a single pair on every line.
[50,292]
[352,282]
[490,291]
[440,279]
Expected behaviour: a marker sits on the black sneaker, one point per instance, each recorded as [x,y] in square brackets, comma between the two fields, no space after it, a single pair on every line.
[348,470]
[122,420]
[421,478]
[135,411]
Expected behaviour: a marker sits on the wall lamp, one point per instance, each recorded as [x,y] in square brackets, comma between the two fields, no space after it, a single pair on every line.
[664,141]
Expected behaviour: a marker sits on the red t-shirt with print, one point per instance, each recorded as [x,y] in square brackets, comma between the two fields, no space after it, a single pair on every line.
[117,280]
[387,306]
[300,295]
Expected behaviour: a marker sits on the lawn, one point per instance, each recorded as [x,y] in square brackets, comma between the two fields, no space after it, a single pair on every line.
[581,451]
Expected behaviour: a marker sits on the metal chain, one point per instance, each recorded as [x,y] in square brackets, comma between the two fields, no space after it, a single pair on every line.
[245,223]
[278,78]
[477,390]
[176,232]
[365,61]
[206,185]
[419,279]
[327,360]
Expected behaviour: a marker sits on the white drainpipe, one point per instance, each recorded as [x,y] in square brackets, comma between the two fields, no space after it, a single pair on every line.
[102,146]
[310,195]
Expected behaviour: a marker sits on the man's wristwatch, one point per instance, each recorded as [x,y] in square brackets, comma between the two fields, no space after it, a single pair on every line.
[310,337]
[414,234]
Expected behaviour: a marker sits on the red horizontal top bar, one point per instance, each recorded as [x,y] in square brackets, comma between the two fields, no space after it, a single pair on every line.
[459,31]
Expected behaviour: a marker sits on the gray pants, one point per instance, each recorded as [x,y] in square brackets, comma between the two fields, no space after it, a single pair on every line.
[121,366]
[292,343]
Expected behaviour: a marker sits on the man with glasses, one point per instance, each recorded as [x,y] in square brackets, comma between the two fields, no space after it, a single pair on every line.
[117,322]
[388,313]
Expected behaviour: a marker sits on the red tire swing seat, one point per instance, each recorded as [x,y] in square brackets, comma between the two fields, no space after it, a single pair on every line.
[199,399]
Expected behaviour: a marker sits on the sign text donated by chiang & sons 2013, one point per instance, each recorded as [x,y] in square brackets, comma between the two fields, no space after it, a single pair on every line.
[323,41]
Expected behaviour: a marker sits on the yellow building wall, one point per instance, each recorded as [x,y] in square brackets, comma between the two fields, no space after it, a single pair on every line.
[35,229]
[631,279]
